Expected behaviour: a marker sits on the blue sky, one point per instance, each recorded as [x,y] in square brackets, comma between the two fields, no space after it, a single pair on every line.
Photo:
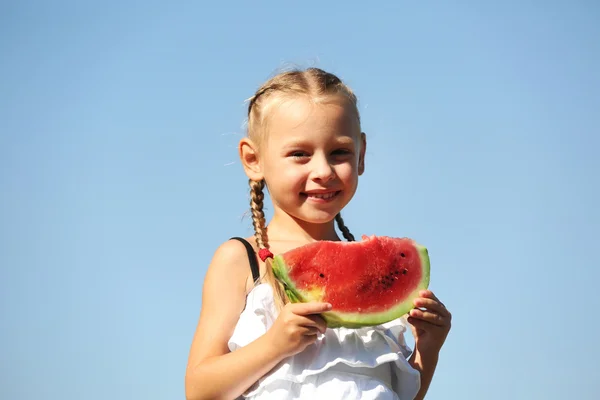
[119,177]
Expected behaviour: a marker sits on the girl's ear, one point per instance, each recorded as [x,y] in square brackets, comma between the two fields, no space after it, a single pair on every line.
[250,160]
[361,156]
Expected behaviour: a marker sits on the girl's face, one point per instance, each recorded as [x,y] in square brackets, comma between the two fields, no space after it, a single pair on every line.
[311,158]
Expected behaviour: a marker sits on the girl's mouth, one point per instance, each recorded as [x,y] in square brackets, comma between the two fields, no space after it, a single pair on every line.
[322,197]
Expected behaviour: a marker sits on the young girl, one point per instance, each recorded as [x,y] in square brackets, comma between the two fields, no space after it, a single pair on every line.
[304,145]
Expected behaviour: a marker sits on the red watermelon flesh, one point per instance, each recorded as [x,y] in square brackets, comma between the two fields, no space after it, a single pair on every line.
[368,283]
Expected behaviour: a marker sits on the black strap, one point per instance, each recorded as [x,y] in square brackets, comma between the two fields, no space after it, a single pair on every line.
[251,257]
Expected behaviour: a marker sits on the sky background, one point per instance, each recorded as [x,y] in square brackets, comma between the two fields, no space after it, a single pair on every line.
[119,177]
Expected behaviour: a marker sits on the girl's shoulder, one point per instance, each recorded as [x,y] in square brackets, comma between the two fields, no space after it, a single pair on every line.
[231,262]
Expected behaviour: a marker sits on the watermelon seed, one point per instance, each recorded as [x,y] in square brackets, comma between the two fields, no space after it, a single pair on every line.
[404,271]
[402,255]
[322,276]
[396,272]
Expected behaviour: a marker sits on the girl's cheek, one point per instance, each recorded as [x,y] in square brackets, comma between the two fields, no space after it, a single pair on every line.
[346,171]
[294,172]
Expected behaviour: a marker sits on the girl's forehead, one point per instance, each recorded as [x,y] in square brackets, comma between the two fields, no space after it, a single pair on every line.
[301,118]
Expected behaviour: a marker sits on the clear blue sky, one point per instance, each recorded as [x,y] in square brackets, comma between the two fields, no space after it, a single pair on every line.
[119,177]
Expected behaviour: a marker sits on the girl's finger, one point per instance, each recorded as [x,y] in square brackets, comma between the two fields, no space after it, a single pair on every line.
[309,308]
[320,323]
[431,317]
[311,331]
[423,325]
[429,294]
[432,305]
[312,321]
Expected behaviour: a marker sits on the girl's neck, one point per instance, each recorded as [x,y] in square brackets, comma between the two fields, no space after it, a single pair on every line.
[285,227]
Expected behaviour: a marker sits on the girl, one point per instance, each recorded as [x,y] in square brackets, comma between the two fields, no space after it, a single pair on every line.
[305,145]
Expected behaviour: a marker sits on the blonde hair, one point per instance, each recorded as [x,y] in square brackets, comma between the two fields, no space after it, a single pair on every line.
[319,87]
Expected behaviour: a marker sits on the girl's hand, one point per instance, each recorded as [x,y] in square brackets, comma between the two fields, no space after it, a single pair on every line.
[431,323]
[297,326]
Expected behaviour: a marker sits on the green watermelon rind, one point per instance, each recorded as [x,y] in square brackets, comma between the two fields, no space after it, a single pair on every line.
[360,319]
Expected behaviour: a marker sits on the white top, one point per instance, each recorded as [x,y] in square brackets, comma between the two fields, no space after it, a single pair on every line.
[365,363]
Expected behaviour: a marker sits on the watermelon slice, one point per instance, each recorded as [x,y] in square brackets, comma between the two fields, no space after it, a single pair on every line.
[368,282]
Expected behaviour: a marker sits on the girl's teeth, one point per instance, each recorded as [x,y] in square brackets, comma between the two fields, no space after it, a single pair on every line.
[323,196]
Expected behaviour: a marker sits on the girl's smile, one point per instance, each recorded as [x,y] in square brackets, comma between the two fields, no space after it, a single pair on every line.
[321,197]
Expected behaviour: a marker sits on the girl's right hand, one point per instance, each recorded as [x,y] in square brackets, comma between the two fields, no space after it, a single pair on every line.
[297,326]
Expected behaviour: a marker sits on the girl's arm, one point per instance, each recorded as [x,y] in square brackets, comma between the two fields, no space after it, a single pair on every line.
[212,371]
[215,373]
[426,367]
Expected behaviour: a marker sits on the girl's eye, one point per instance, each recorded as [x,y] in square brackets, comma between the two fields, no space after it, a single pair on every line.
[298,154]
[341,152]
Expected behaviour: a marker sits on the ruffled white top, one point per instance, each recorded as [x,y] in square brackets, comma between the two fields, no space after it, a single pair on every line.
[365,363]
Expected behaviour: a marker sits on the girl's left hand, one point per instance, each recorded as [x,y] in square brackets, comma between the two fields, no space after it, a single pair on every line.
[430,322]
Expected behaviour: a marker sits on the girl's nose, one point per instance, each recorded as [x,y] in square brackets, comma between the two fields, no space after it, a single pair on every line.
[322,169]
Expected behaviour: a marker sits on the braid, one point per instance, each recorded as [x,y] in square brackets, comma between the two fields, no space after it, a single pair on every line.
[258,216]
[345,231]
[260,234]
